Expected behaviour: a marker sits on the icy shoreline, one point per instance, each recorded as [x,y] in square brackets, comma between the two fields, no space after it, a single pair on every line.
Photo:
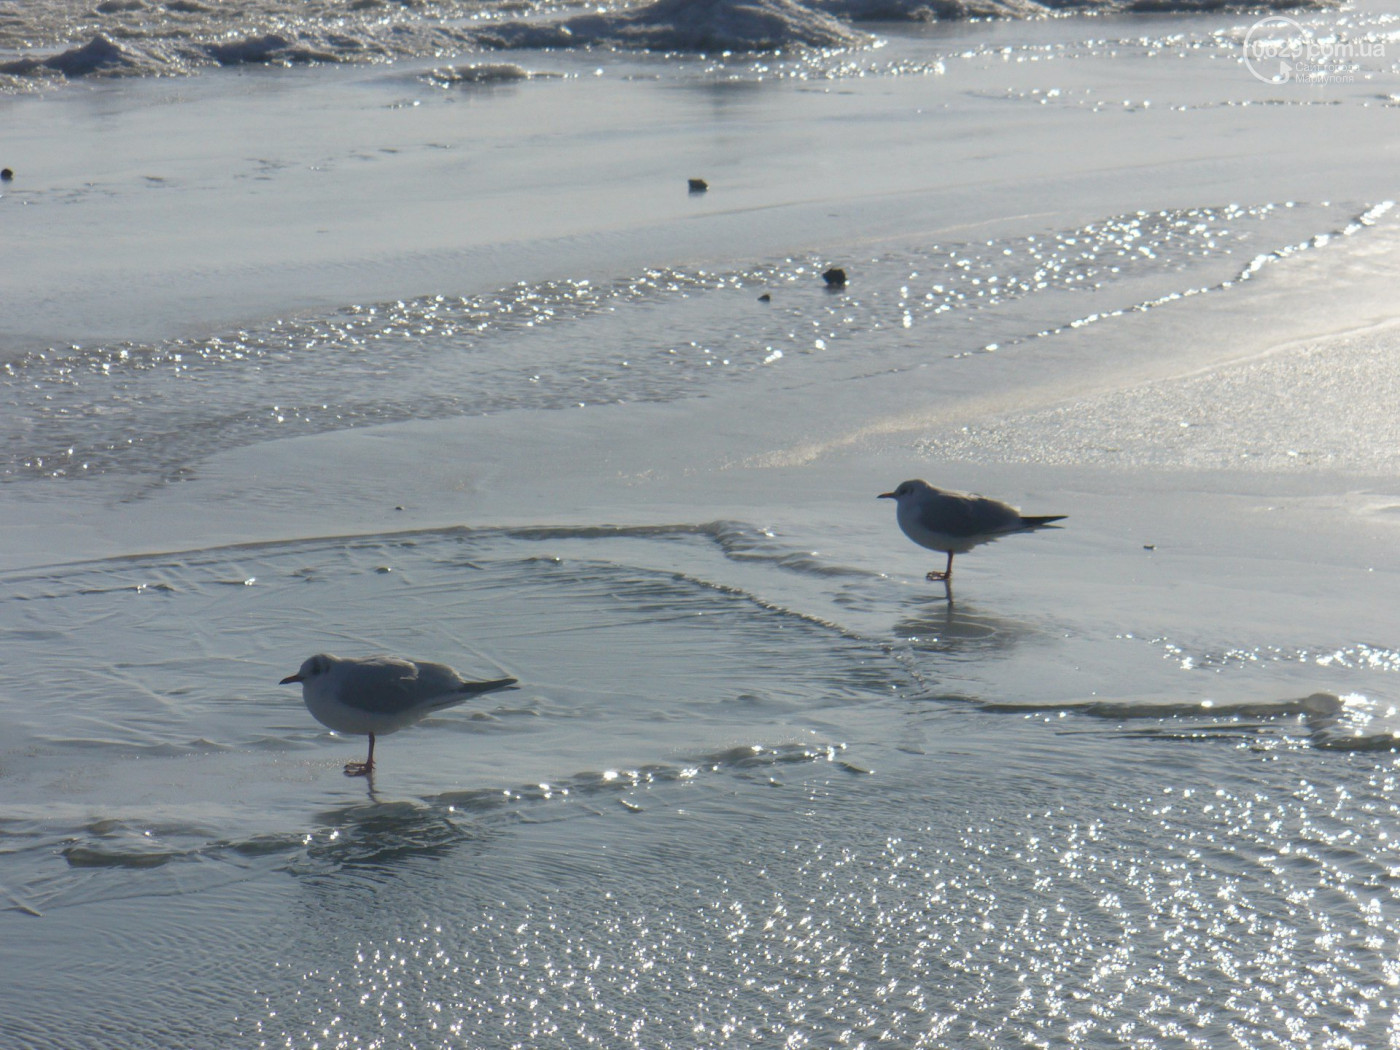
[57,41]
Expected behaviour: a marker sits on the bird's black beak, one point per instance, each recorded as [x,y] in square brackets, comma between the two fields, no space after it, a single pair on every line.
[885,495]
[291,678]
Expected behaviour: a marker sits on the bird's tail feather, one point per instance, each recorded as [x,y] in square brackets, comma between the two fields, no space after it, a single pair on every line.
[1043,522]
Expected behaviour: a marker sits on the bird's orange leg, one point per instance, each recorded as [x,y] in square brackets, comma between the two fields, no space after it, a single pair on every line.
[365,768]
[946,576]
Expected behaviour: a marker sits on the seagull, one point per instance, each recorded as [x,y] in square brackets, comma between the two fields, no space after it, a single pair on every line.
[375,695]
[956,522]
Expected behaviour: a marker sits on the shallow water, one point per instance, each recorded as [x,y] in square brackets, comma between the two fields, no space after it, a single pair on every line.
[744,794]
[737,910]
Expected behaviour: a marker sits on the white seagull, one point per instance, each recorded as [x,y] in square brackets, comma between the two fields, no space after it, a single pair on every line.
[956,522]
[376,695]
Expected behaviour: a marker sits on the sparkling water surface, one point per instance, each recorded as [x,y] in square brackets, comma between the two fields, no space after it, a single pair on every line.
[656,337]
[793,815]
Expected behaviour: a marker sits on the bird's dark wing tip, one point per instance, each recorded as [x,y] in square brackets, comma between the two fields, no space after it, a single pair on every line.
[486,687]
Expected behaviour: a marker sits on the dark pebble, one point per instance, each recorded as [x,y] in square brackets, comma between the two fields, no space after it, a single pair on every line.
[835,277]
[698,185]
[6,174]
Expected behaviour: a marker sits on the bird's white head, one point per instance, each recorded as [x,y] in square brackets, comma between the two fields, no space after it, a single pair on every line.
[312,667]
[905,489]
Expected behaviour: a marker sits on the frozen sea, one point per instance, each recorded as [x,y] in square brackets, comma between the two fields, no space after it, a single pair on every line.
[396,328]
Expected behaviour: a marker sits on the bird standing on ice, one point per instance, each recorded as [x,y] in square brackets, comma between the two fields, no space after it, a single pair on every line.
[376,695]
[955,522]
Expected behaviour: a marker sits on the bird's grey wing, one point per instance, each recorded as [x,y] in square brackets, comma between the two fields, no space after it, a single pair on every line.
[988,516]
[387,685]
[447,687]
[436,679]
[955,514]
